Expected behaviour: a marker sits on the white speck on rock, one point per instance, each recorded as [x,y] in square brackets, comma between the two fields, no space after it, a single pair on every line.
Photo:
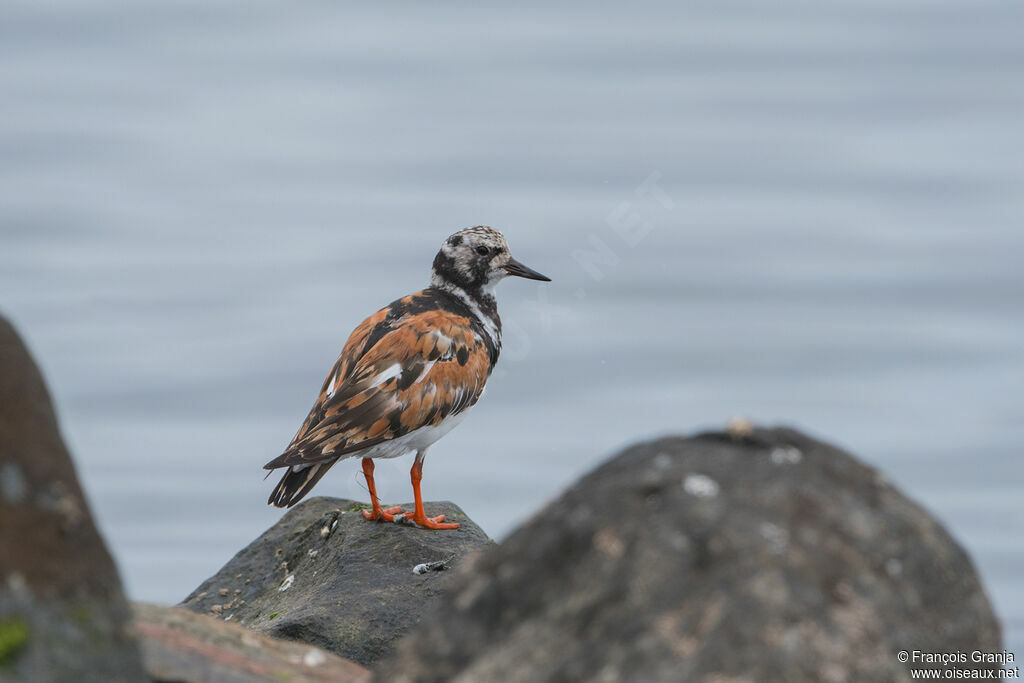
[313,553]
[314,657]
[786,455]
[12,483]
[777,537]
[420,569]
[609,544]
[287,583]
[700,485]
[662,461]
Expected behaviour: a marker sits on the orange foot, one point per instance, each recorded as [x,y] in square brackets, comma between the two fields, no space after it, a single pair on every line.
[387,515]
[432,522]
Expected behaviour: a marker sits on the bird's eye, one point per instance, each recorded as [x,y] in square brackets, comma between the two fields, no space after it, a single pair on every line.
[483,251]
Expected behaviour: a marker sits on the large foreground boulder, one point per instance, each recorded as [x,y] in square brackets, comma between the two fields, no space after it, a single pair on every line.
[758,556]
[185,647]
[63,616]
[324,575]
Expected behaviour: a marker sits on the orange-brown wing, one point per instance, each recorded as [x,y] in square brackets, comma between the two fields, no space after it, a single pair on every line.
[426,366]
[353,350]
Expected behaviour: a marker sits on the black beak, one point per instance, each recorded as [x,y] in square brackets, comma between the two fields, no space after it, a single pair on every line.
[516,268]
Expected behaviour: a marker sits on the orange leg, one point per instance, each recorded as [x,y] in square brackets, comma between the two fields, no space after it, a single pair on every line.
[419,516]
[377,512]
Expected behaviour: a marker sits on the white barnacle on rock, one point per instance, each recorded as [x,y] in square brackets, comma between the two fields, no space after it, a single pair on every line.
[700,485]
[314,657]
[425,567]
[313,553]
[786,455]
[287,583]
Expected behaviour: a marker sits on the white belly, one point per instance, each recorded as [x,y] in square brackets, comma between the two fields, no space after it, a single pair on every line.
[416,440]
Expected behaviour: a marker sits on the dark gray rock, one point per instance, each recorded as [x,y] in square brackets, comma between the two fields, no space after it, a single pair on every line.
[764,555]
[185,647]
[63,616]
[324,575]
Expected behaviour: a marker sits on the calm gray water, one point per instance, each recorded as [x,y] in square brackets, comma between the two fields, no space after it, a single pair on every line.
[821,203]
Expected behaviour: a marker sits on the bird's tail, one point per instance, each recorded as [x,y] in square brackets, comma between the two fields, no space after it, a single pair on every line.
[294,485]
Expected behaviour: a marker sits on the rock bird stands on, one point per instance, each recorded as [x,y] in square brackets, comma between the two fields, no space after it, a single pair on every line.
[407,375]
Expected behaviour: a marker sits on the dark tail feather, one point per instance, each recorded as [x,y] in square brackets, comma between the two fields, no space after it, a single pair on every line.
[295,485]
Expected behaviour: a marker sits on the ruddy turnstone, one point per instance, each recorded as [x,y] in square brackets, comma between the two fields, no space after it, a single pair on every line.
[407,375]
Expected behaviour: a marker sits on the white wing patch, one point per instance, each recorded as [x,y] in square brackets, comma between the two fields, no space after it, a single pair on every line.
[426,370]
[448,342]
[393,371]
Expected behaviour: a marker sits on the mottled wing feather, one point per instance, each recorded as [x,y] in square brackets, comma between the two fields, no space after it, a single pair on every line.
[396,373]
[354,348]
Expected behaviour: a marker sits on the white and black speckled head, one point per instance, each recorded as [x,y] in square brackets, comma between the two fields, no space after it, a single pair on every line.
[476,259]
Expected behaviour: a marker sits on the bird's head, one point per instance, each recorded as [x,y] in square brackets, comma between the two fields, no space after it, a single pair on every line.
[477,259]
